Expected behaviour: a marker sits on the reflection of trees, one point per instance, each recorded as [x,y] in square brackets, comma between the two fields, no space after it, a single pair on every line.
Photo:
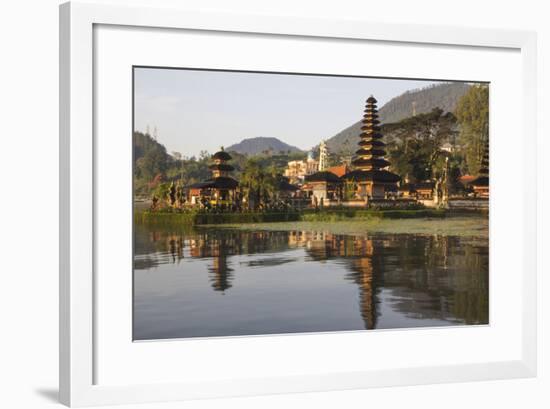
[437,277]
[158,246]
[426,277]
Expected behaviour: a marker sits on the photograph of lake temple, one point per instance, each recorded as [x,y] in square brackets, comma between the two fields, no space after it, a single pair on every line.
[269,203]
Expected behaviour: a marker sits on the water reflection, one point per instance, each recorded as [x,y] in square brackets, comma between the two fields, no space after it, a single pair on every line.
[400,281]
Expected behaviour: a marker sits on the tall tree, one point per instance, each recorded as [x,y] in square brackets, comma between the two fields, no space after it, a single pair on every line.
[416,150]
[472,113]
[259,183]
[251,182]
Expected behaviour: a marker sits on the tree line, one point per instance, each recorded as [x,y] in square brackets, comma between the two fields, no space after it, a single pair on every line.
[414,148]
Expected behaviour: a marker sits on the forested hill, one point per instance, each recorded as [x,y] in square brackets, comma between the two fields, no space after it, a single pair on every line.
[443,96]
[259,145]
[155,169]
[150,157]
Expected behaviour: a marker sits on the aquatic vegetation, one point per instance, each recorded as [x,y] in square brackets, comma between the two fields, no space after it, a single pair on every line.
[475,226]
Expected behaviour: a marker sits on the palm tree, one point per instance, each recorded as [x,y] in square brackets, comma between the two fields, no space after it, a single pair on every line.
[251,181]
[259,185]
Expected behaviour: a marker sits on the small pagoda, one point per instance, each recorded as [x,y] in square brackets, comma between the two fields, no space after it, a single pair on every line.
[481,183]
[371,177]
[220,190]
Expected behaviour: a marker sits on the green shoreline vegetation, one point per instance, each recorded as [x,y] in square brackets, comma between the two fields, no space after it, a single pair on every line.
[456,226]
[197,217]
[349,222]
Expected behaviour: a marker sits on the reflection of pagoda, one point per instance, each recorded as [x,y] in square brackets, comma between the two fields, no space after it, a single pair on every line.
[371,176]
[359,253]
[220,190]
[481,183]
[221,273]
[363,277]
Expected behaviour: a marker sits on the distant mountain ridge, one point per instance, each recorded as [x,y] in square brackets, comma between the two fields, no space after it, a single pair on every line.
[420,101]
[262,144]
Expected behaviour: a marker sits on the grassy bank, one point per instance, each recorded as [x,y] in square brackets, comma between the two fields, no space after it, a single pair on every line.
[196,219]
[471,226]
[308,215]
[333,215]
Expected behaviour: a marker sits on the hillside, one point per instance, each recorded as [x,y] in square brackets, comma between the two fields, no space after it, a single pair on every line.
[443,96]
[258,145]
[150,157]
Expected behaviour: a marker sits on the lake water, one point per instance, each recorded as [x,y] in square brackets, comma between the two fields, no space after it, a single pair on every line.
[223,282]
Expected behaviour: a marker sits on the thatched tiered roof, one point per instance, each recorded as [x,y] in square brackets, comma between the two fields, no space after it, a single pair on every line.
[483,178]
[220,174]
[216,183]
[370,163]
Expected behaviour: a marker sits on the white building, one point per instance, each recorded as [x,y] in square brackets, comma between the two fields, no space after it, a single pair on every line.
[323,156]
[297,170]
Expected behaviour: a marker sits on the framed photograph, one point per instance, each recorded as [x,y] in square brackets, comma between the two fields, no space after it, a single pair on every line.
[255,204]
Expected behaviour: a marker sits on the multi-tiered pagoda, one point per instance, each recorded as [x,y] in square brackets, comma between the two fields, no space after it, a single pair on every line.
[481,183]
[220,189]
[371,176]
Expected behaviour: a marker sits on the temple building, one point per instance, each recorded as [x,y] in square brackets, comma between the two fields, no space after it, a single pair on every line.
[371,177]
[285,189]
[324,188]
[220,190]
[481,183]
[425,190]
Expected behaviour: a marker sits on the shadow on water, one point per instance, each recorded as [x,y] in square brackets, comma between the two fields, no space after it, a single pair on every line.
[401,280]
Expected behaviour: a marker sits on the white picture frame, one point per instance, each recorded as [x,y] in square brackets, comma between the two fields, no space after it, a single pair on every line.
[78,291]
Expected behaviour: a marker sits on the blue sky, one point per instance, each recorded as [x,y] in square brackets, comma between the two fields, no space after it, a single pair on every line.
[203,110]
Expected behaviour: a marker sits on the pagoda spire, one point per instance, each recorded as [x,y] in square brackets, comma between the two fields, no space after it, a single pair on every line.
[370,155]
[481,183]
[220,167]
[371,176]
[484,169]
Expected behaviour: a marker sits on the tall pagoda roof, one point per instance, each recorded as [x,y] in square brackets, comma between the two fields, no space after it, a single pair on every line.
[483,177]
[373,142]
[374,162]
[371,127]
[370,162]
[370,151]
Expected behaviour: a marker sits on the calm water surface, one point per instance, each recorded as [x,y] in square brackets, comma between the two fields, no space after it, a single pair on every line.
[215,282]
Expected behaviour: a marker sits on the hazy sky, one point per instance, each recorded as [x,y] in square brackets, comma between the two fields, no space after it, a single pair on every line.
[203,110]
